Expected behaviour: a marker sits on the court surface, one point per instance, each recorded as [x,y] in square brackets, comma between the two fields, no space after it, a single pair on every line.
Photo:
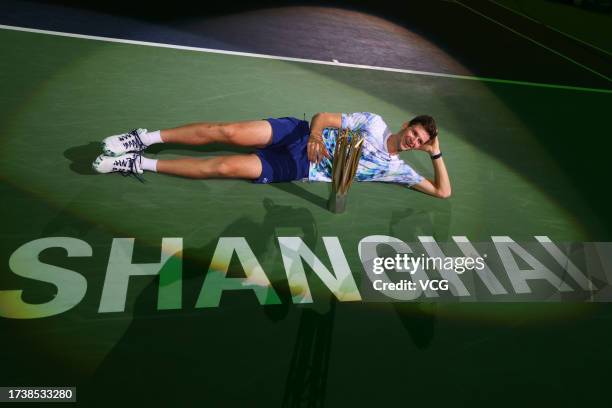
[519,166]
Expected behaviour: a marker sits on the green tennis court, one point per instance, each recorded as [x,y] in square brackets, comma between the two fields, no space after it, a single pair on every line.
[512,174]
[56,110]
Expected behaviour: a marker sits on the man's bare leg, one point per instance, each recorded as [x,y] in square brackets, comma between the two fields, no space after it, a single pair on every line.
[118,156]
[242,166]
[251,133]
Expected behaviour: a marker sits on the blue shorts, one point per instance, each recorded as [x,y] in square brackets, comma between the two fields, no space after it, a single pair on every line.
[285,159]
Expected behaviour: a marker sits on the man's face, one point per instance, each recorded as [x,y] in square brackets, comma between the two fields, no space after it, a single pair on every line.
[412,137]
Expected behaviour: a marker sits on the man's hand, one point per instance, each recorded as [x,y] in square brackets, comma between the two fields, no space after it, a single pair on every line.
[316,148]
[440,186]
[431,147]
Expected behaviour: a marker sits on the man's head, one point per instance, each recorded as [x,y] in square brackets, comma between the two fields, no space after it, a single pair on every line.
[417,132]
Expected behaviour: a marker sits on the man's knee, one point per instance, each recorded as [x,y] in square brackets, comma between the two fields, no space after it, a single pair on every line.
[244,167]
[226,168]
[254,133]
[230,133]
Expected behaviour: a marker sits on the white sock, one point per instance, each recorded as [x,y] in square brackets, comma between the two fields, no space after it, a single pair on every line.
[151,138]
[148,164]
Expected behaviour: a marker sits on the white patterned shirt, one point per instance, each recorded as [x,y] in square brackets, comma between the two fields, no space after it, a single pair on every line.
[376,164]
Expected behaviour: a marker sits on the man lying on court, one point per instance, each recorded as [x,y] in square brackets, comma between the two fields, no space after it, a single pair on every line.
[286,149]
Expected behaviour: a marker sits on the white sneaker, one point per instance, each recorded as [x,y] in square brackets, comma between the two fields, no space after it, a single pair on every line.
[124,143]
[127,164]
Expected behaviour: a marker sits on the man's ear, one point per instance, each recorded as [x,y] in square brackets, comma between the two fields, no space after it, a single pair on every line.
[404,125]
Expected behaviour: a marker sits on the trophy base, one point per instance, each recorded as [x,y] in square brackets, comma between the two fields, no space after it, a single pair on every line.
[337,203]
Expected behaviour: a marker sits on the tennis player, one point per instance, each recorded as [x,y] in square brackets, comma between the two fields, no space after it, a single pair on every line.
[286,149]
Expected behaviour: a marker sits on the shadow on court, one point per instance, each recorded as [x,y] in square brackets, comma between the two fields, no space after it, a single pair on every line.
[419,319]
[240,341]
[82,156]
[300,192]
[282,351]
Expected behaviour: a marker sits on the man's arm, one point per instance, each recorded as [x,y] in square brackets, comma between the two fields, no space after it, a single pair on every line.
[440,186]
[320,121]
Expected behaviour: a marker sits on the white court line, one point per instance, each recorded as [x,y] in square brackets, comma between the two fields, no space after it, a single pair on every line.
[309,61]
[551,28]
[534,41]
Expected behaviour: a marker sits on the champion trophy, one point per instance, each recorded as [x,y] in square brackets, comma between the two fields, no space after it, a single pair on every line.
[344,167]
